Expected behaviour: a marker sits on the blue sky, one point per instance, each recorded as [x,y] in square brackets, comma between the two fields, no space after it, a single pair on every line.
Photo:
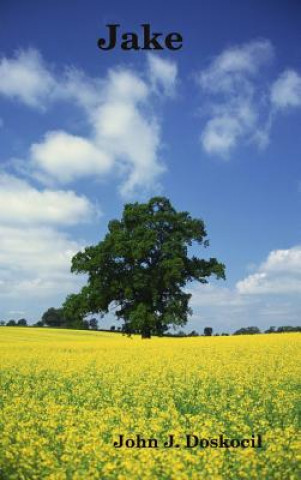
[214,126]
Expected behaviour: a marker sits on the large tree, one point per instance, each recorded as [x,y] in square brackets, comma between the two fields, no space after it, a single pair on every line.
[141,267]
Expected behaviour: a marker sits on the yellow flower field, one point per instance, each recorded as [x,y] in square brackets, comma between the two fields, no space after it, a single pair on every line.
[66,396]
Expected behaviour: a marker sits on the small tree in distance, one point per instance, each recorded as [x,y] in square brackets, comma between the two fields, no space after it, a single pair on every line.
[22,322]
[247,331]
[53,317]
[39,323]
[11,323]
[208,331]
[141,267]
[93,324]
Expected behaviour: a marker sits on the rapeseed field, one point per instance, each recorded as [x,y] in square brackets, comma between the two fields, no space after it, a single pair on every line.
[67,396]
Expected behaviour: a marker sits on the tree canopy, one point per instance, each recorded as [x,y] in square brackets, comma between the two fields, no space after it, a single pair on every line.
[141,268]
[208,331]
[53,317]
[247,331]
[22,322]
[69,317]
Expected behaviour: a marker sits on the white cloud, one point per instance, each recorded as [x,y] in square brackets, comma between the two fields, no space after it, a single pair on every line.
[16,312]
[227,309]
[230,71]
[125,86]
[124,136]
[127,132]
[21,204]
[222,133]
[35,261]
[286,90]
[279,274]
[74,85]
[35,258]
[229,81]
[209,295]
[163,73]
[26,78]
[284,261]
[239,106]
[64,157]
[124,139]
[270,296]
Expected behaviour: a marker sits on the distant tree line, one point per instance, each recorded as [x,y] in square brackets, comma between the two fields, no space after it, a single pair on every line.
[208,331]
[15,323]
[283,329]
[58,318]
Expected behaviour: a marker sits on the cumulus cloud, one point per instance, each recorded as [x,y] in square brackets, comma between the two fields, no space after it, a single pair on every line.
[76,86]
[64,157]
[124,139]
[35,257]
[209,295]
[229,83]
[222,132]
[163,73]
[270,296]
[286,90]
[36,261]
[125,134]
[26,78]
[238,105]
[231,69]
[219,306]
[21,203]
[129,135]
[227,310]
[279,274]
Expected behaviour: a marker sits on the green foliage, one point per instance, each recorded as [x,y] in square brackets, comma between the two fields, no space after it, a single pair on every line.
[22,322]
[11,323]
[93,324]
[141,267]
[247,331]
[69,317]
[283,329]
[74,312]
[208,331]
[287,329]
[39,323]
[53,317]
[193,333]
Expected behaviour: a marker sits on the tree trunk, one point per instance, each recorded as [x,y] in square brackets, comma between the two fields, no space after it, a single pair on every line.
[146,332]
[145,335]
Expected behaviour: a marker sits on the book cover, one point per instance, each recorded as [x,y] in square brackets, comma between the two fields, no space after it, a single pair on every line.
[150,248]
